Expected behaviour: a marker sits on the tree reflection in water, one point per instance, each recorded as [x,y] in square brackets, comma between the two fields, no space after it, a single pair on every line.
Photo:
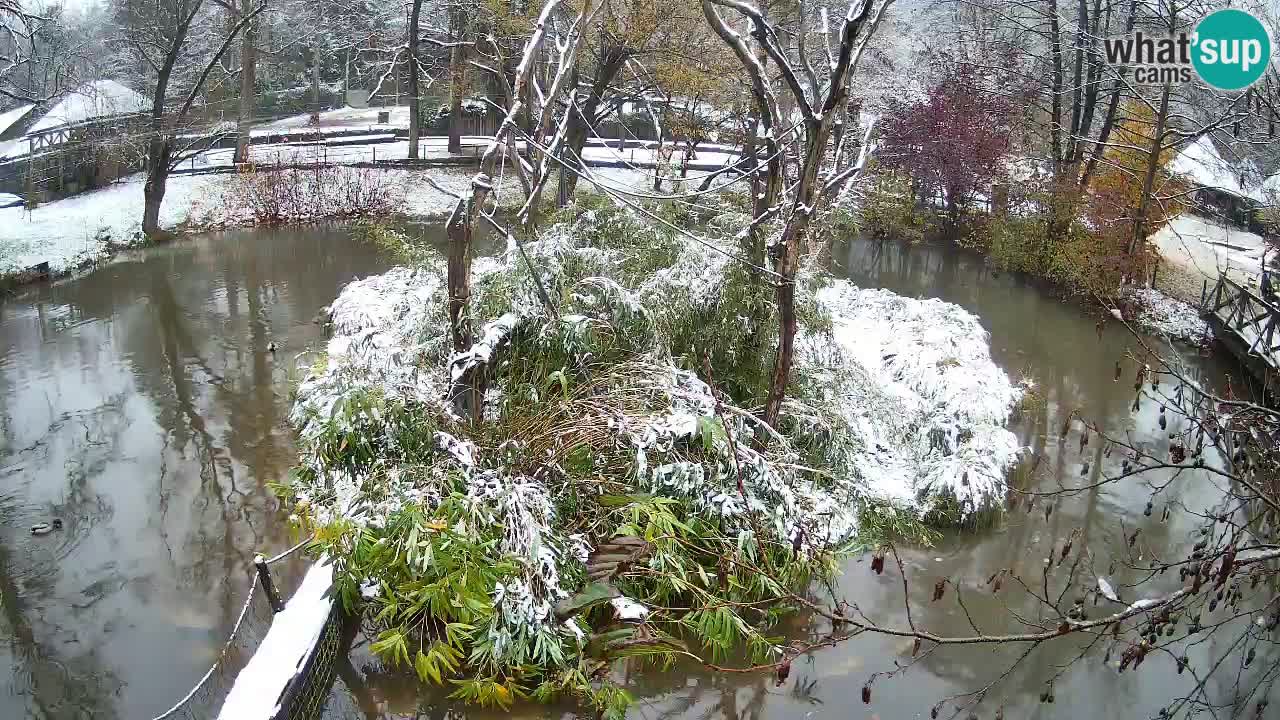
[138,403]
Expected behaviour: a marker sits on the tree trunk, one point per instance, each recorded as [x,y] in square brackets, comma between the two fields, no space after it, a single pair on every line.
[789,262]
[1113,105]
[1077,85]
[315,83]
[415,103]
[1055,121]
[458,81]
[158,153]
[1149,178]
[248,72]
[612,60]
[459,281]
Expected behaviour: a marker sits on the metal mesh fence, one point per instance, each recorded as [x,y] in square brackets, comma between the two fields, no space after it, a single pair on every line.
[305,696]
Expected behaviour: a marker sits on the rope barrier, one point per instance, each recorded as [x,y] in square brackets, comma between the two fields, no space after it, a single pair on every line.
[290,551]
[244,611]
[235,630]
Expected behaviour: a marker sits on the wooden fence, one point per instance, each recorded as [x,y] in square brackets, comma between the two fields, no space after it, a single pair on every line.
[1245,321]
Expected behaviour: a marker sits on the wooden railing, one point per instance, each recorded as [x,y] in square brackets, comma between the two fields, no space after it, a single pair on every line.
[1240,311]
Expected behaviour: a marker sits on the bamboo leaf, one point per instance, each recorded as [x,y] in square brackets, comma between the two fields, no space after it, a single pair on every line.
[621,500]
[590,596]
[422,665]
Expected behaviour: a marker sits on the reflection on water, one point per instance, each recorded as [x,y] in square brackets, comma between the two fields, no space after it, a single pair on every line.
[141,406]
[1057,345]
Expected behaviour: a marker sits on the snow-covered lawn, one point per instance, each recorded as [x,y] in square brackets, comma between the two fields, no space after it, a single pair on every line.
[346,117]
[82,229]
[338,150]
[71,232]
[379,147]
[1204,246]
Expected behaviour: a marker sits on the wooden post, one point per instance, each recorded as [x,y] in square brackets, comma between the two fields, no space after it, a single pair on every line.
[268,585]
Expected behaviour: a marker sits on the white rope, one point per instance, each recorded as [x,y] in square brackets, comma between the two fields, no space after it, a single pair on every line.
[291,550]
[253,585]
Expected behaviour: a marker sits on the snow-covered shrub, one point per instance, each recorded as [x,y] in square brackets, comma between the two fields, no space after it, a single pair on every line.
[481,543]
[921,405]
[270,197]
[1155,312]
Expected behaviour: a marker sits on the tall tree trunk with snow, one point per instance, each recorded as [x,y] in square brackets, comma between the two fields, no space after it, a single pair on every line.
[159,146]
[415,101]
[160,151]
[1153,157]
[1055,87]
[457,79]
[248,78]
[315,82]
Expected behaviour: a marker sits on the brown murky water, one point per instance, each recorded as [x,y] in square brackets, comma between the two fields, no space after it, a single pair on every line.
[140,405]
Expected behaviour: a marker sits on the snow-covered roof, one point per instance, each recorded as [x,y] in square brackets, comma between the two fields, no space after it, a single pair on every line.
[97,99]
[9,117]
[1201,162]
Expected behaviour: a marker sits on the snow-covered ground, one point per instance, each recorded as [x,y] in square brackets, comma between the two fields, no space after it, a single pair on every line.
[1156,312]
[341,117]
[77,230]
[81,229]
[1207,247]
[338,150]
[382,147]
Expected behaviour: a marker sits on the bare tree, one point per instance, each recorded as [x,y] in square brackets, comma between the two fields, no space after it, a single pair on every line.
[459,21]
[415,98]
[818,107]
[163,37]
[248,81]
[39,52]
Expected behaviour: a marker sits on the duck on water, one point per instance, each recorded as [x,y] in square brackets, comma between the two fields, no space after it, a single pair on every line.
[44,528]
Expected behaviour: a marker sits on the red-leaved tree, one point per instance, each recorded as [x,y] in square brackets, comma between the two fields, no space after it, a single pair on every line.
[952,141]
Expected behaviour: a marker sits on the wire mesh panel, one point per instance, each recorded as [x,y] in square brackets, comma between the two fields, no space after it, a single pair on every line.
[304,698]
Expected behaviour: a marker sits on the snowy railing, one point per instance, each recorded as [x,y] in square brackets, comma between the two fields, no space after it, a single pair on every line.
[281,680]
[276,677]
[1248,317]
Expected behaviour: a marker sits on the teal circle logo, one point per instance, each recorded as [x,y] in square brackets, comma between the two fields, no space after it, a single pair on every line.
[1231,49]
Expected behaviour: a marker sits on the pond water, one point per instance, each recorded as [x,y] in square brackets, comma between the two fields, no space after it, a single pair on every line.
[140,405]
